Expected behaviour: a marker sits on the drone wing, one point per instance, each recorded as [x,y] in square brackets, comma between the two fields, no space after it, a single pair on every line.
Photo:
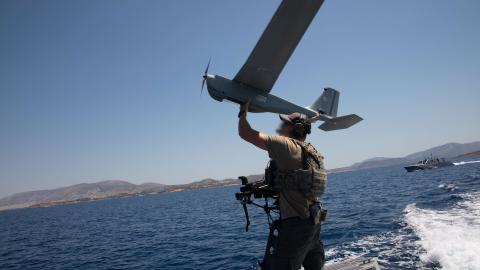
[277,43]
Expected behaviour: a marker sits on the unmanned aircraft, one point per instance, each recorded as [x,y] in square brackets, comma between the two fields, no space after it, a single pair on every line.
[256,78]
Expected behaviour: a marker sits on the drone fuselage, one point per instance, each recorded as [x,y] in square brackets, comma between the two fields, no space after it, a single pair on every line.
[221,88]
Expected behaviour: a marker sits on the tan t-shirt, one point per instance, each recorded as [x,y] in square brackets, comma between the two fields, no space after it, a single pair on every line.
[288,156]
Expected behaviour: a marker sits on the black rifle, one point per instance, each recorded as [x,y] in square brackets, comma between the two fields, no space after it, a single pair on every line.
[258,190]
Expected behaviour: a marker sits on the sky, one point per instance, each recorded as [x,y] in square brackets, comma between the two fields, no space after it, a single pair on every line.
[101,90]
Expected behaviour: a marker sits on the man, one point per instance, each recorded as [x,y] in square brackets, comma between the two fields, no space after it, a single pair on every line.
[298,242]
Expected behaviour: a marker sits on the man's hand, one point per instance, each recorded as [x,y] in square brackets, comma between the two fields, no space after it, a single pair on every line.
[314,118]
[246,132]
[244,109]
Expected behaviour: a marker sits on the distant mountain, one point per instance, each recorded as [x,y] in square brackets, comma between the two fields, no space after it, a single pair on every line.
[98,191]
[475,154]
[448,151]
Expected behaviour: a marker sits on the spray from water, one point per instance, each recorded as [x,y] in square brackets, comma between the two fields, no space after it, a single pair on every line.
[465,162]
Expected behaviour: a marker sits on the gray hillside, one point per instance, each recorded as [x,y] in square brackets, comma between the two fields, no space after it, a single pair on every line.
[97,190]
[449,150]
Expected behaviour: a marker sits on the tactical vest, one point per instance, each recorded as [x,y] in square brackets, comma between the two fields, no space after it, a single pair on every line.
[311,180]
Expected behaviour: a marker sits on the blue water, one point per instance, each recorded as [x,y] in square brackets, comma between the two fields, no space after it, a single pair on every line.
[427,219]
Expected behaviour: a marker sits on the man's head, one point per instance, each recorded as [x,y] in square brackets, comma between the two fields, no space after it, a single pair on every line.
[295,126]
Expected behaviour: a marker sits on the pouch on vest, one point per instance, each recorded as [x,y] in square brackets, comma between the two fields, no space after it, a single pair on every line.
[310,180]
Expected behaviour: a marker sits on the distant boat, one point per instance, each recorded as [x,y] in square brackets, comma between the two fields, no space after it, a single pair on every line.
[428,163]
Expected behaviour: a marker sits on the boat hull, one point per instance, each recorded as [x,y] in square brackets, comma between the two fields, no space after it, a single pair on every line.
[418,167]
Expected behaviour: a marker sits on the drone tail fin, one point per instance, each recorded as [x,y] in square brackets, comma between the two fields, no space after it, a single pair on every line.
[327,103]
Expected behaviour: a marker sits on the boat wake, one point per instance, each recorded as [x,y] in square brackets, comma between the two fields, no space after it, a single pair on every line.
[394,250]
[466,162]
[446,239]
[450,238]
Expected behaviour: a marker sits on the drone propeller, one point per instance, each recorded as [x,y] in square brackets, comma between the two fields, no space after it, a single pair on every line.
[205,76]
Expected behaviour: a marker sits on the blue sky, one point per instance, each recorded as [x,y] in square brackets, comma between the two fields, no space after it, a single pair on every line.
[97,90]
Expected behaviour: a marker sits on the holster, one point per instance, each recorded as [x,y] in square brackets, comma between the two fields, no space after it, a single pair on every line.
[318,213]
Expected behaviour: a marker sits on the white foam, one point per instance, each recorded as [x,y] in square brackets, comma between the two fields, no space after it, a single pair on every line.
[396,249]
[449,237]
[466,162]
[450,187]
[425,239]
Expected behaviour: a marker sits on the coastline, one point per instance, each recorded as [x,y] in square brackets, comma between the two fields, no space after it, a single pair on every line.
[176,188]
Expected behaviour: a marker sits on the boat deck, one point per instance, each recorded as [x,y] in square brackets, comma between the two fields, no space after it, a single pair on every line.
[357,263]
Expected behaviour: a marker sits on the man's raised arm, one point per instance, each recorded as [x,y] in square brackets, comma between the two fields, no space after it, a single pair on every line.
[248,133]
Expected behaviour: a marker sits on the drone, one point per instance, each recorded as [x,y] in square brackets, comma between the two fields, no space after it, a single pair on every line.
[257,76]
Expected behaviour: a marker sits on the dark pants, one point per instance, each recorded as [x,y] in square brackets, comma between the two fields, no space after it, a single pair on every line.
[298,243]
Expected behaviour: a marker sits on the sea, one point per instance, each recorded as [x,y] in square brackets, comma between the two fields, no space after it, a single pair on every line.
[420,220]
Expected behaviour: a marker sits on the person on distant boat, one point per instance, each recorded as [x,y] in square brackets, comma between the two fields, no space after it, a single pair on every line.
[298,242]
